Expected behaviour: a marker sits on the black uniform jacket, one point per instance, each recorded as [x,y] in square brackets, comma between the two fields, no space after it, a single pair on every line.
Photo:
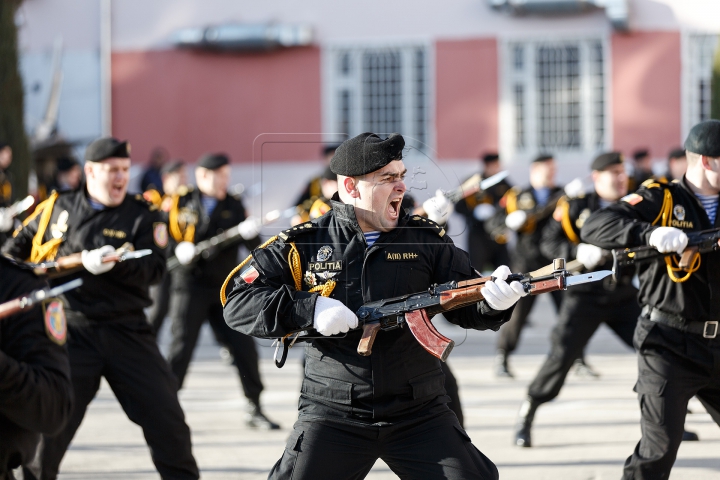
[35,389]
[527,255]
[229,212]
[491,196]
[117,295]
[630,222]
[400,378]
[560,239]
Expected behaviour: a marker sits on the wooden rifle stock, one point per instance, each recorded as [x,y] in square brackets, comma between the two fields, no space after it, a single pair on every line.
[437,344]
[10,307]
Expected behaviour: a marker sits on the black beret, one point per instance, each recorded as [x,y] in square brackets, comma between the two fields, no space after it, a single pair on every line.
[107,147]
[66,163]
[676,153]
[3,144]
[604,160]
[329,148]
[366,153]
[543,158]
[172,166]
[704,139]
[641,153]
[490,158]
[213,161]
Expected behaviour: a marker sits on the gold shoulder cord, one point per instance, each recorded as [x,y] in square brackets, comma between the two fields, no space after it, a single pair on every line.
[295,268]
[664,218]
[184,233]
[566,223]
[48,250]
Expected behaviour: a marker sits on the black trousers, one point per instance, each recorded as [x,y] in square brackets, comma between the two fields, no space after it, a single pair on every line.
[485,252]
[579,318]
[160,295]
[451,388]
[510,332]
[189,308]
[129,359]
[673,366]
[431,446]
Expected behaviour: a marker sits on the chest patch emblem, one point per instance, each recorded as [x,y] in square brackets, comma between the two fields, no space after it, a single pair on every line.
[679,212]
[324,253]
[58,229]
[582,217]
[160,234]
[526,201]
[55,323]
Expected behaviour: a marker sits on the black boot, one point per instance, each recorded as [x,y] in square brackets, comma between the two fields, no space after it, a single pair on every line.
[501,365]
[524,422]
[690,436]
[256,418]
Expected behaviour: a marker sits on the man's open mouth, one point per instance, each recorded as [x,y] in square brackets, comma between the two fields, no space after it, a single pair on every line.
[394,207]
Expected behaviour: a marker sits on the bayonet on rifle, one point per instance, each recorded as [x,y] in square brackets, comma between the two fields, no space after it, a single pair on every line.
[26,302]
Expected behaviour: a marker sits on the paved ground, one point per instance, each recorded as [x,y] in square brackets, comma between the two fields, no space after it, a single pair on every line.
[585,434]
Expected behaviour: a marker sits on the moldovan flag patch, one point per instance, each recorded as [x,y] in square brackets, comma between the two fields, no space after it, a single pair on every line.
[250,275]
[632,199]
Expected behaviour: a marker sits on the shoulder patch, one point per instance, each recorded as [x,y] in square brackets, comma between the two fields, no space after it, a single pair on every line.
[417,220]
[632,199]
[54,319]
[297,230]
[160,234]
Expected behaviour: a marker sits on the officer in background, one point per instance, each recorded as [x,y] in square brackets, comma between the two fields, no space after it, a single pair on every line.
[525,211]
[197,214]
[485,249]
[108,334]
[642,169]
[313,190]
[583,308]
[174,176]
[676,335]
[35,389]
[391,404]
[6,192]
[677,164]
[68,176]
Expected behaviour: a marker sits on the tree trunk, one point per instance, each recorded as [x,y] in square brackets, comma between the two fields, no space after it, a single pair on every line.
[12,128]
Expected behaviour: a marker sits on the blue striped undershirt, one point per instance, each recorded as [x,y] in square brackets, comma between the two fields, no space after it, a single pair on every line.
[709,203]
[209,203]
[370,238]
[96,205]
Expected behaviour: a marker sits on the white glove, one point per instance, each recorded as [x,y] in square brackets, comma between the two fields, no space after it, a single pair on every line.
[484,211]
[92,260]
[515,220]
[501,296]
[575,188]
[333,317]
[668,239]
[250,228]
[589,255]
[6,221]
[502,272]
[438,208]
[185,252]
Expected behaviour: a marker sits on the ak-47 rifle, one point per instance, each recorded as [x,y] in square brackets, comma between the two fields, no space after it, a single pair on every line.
[208,249]
[471,186]
[72,263]
[703,241]
[416,309]
[16,305]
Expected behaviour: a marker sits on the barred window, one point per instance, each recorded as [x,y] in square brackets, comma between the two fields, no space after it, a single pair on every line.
[378,89]
[697,78]
[552,97]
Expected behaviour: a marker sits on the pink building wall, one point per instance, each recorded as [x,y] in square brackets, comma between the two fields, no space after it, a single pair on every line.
[646,91]
[195,102]
[466,104]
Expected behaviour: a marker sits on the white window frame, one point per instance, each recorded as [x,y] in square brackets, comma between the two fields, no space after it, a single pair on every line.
[510,78]
[333,82]
[696,66]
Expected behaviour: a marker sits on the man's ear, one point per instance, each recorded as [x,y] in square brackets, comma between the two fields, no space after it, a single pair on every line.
[349,184]
[705,161]
[87,168]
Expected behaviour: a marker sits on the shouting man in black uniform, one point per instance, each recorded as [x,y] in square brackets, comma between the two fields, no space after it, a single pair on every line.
[391,404]
[676,335]
[35,389]
[586,307]
[108,335]
[196,215]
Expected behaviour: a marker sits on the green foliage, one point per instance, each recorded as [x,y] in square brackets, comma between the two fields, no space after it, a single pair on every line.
[715,85]
[12,129]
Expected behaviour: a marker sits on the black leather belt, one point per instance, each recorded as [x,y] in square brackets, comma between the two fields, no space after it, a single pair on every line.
[707,329]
